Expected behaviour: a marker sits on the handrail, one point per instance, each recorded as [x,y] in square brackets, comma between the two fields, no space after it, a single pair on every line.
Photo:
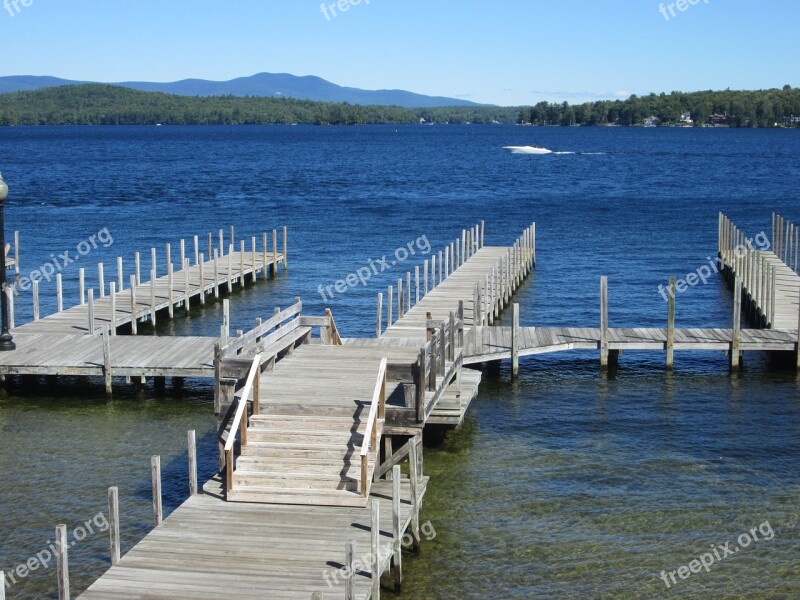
[240,420]
[335,338]
[377,411]
[256,334]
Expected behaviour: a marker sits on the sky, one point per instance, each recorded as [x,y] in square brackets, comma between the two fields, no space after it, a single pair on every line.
[507,52]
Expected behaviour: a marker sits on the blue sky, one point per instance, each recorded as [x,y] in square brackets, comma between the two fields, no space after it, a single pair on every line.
[494,51]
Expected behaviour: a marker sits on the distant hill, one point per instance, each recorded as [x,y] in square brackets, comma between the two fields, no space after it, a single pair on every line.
[269,85]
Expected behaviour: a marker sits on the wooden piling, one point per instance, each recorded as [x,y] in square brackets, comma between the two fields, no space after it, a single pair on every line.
[113,525]
[221,243]
[3,583]
[170,291]
[62,562]
[196,250]
[734,354]
[10,298]
[389,307]
[397,534]
[35,300]
[378,325]
[254,272]
[400,298]
[192,457]
[274,252]
[91,312]
[413,471]
[120,275]
[82,285]
[375,534]
[604,322]
[107,362]
[285,251]
[101,280]
[59,294]
[670,347]
[416,284]
[202,280]
[153,298]
[153,264]
[515,342]
[216,273]
[155,472]
[425,275]
[138,266]
[350,570]
[133,304]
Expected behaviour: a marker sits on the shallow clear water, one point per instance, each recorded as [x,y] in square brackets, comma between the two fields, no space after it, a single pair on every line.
[567,483]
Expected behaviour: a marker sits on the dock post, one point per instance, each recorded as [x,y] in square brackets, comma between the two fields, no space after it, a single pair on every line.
[433,273]
[446,262]
[153,264]
[375,531]
[389,307]
[91,312]
[221,243]
[3,583]
[168,253]
[155,471]
[414,477]
[59,293]
[170,290]
[409,306]
[378,324]
[604,322]
[62,562]
[425,275]
[138,266]
[400,298]
[285,252]
[514,341]
[483,231]
[120,276]
[153,297]
[35,300]
[397,543]
[210,240]
[734,354]
[191,446]
[254,273]
[226,318]
[458,253]
[186,287]
[475,306]
[183,252]
[230,269]
[101,280]
[113,293]
[216,273]
[196,250]
[440,267]
[671,324]
[113,525]
[82,285]
[274,252]
[107,362]
[416,284]
[350,571]
[10,298]
[533,244]
[264,270]
[232,238]
[241,264]
[133,304]
[202,280]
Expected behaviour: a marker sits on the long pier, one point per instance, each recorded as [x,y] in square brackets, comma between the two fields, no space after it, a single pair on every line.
[98,336]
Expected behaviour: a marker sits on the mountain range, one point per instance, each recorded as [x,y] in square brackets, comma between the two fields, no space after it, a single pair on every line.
[280,85]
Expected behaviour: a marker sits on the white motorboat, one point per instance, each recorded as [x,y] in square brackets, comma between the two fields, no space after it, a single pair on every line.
[527,150]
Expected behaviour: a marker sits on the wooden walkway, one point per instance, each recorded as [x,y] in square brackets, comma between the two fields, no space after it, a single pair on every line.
[768,276]
[210,548]
[495,343]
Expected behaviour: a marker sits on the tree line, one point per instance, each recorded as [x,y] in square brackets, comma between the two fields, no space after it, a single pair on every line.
[760,108]
[97,104]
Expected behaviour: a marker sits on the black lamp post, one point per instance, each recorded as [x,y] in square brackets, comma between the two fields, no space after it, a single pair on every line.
[6,341]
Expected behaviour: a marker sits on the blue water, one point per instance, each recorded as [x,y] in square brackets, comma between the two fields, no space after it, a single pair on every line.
[567,483]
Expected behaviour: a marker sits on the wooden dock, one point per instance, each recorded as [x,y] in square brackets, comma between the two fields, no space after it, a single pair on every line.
[90,338]
[312,433]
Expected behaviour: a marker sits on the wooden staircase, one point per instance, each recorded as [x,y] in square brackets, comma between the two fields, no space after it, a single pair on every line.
[312,450]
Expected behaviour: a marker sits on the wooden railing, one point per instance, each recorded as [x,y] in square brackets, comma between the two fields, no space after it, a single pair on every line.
[374,429]
[334,338]
[264,333]
[240,419]
[445,345]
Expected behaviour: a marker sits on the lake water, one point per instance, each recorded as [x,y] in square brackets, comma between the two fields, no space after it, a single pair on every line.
[567,483]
